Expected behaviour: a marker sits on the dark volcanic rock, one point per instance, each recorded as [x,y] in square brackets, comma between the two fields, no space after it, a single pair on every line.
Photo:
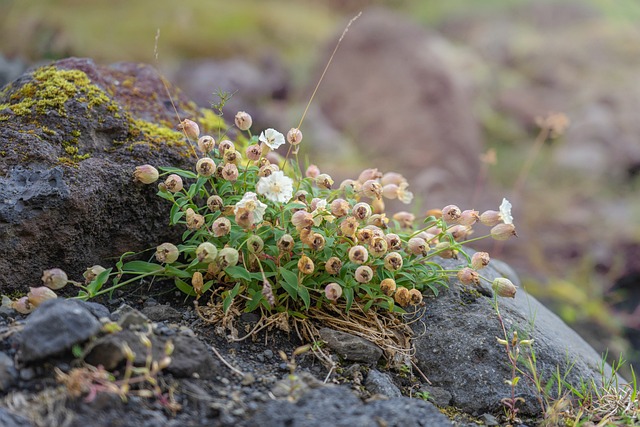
[71,135]
[54,327]
[380,383]
[351,347]
[456,345]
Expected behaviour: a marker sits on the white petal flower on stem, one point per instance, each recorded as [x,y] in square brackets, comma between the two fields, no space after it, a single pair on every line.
[276,187]
[251,203]
[272,138]
[505,212]
[404,195]
[321,213]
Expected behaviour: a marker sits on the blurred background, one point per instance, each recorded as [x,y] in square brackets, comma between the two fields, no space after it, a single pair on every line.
[451,94]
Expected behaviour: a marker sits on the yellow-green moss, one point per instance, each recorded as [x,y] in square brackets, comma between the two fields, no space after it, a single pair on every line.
[156,134]
[210,122]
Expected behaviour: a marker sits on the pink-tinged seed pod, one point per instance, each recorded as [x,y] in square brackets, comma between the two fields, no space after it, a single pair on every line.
[253,152]
[364,274]
[215,203]
[285,243]
[369,174]
[22,305]
[305,265]
[230,172]
[301,196]
[228,257]
[333,266]
[301,219]
[194,221]
[221,227]
[480,260]
[358,254]
[459,232]
[379,220]
[173,183]
[390,191]
[245,218]
[364,235]
[362,211]
[324,181]
[388,286]
[146,174]
[255,244]
[333,291]
[317,241]
[350,185]
[445,251]
[92,272]
[197,281]
[490,218]
[418,246]
[54,278]
[39,295]
[405,219]
[504,287]
[402,297]
[205,167]
[190,128]
[503,231]
[451,214]
[349,226]
[392,178]
[340,208]
[206,143]
[393,241]
[468,276]
[243,120]
[232,156]
[312,171]
[372,189]
[393,261]
[415,297]
[167,253]
[294,136]
[206,252]
[378,246]
[469,217]
[224,146]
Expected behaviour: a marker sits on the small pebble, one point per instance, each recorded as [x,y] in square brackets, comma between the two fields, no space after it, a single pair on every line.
[27,374]
[268,354]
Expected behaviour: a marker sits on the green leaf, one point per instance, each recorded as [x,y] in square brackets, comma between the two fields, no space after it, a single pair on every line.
[348,296]
[303,292]
[238,272]
[175,214]
[289,282]
[121,260]
[255,301]
[142,267]
[165,195]
[368,305]
[184,287]
[226,303]
[96,284]
[176,272]
[178,171]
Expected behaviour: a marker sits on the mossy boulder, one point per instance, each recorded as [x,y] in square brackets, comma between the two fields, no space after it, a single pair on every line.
[71,135]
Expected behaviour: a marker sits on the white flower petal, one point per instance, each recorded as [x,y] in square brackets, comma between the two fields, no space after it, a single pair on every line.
[272,138]
[505,212]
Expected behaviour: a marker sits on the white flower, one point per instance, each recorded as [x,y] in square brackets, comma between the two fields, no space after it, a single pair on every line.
[321,213]
[404,195]
[272,138]
[276,187]
[251,203]
[505,212]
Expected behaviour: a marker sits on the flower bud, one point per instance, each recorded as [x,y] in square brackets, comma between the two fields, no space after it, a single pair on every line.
[301,219]
[39,295]
[349,185]
[228,257]
[294,136]
[22,305]
[372,189]
[490,218]
[369,174]
[503,231]
[54,278]
[206,143]
[333,266]
[362,211]
[402,297]
[167,253]
[194,221]
[230,172]
[469,217]
[405,219]
[349,226]
[393,241]
[358,254]
[418,246]
[388,286]
[459,232]
[146,174]
[255,244]
[285,243]
[378,246]
[451,214]
[226,145]
[340,208]
[325,181]
[92,272]
[206,252]
[504,287]
[390,191]
[364,235]
[197,281]
[215,203]
[173,183]
[221,227]
[253,152]
[317,241]
[364,274]
[305,265]
[392,178]
[415,296]
[445,251]
[480,260]
[333,291]
[205,167]
[468,276]
[190,128]
[243,120]
[393,261]
[312,171]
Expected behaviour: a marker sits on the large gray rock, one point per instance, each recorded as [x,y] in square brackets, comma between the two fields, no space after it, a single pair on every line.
[71,135]
[458,351]
[337,406]
[351,347]
[392,88]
